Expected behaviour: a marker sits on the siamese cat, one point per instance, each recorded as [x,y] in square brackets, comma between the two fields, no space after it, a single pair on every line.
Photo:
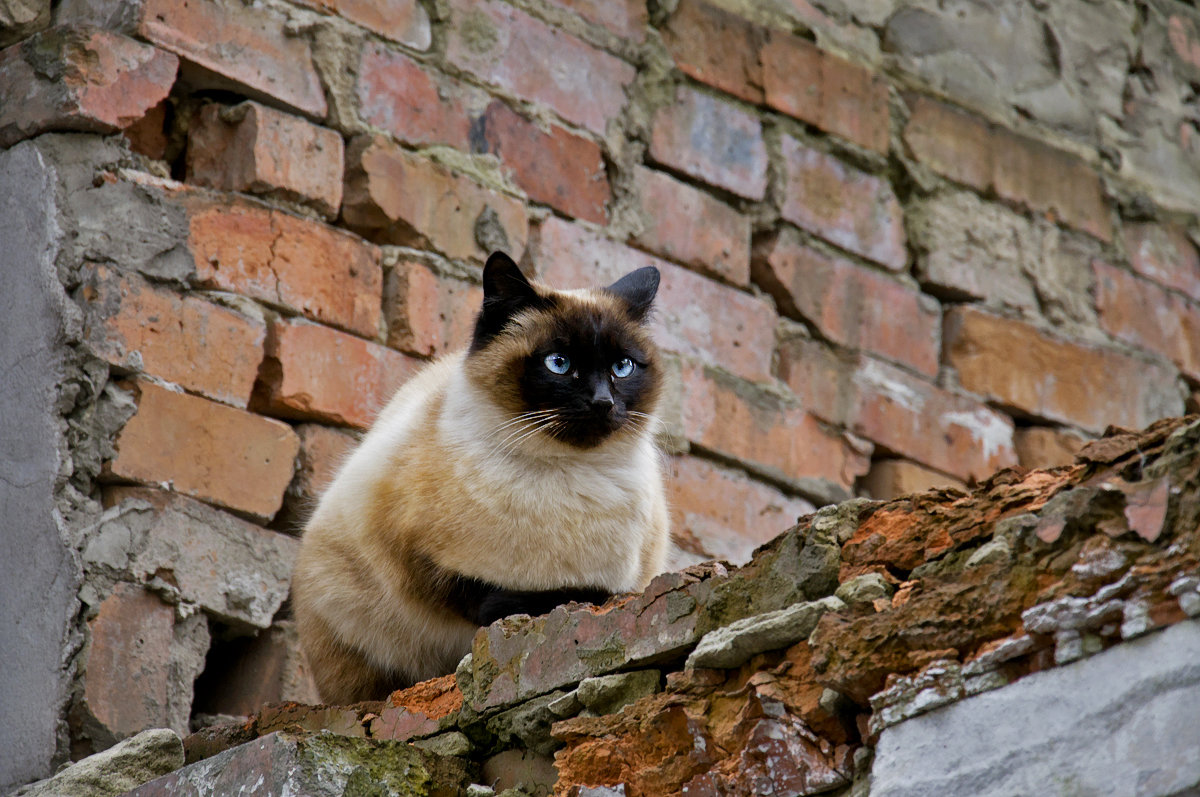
[509,478]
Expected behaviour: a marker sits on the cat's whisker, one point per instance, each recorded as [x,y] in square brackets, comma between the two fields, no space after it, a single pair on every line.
[528,429]
[524,416]
[530,433]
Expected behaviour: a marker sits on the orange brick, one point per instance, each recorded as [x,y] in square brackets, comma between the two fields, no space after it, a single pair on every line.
[554,166]
[850,304]
[198,345]
[506,47]
[248,45]
[893,478]
[820,377]
[259,150]
[148,135]
[404,21]
[1141,313]
[255,671]
[1019,366]
[753,426]
[727,512]
[322,451]
[395,197]
[225,456]
[313,372]
[685,224]
[712,141]
[293,263]
[427,313]
[414,104]
[735,331]
[101,82]
[1045,447]
[834,94]
[1020,170]
[1165,254]
[716,47]
[855,210]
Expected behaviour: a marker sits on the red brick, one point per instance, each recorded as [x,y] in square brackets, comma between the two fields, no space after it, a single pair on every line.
[427,313]
[1019,366]
[553,166]
[294,263]
[414,104]
[855,210]
[728,513]
[322,451]
[850,304]
[255,671]
[219,454]
[404,21]
[716,47]
[1045,447]
[200,346]
[820,377]
[734,330]
[1141,313]
[835,95]
[712,141]
[626,18]
[148,135]
[755,427]
[101,82]
[893,478]
[502,45]
[395,197]
[249,45]
[1022,171]
[1165,254]
[313,372]
[259,150]
[687,225]
[128,661]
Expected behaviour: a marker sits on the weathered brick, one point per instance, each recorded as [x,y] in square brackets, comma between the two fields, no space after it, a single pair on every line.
[255,671]
[322,451]
[553,166]
[313,372]
[404,21]
[198,345]
[148,135]
[850,304]
[1046,447]
[1165,254]
[1020,170]
[892,478]
[23,18]
[727,512]
[499,43]
[234,570]
[233,458]
[712,141]
[75,78]
[1017,365]
[687,225]
[855,210]
[1142,313]
[128,662]
[251,47]
[398,198]
[428,313]
[294,263]
[716,47]
[259,150]
[414,104]
[822,89]
[736,331]
[898,411]
[626,18]
[756,427]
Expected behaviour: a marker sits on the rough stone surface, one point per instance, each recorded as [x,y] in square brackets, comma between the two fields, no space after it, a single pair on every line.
[731,645]
[122,767]
[1140,698]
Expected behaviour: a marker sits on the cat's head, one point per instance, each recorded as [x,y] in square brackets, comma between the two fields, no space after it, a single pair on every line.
[576,366]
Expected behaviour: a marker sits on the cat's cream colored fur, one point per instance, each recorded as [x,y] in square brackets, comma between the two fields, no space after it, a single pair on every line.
[446,474]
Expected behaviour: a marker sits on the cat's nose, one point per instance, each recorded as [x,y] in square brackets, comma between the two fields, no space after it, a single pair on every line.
[602,399]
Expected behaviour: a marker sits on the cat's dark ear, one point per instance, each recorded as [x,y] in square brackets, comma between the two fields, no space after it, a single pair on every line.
[506,292]
[637,288]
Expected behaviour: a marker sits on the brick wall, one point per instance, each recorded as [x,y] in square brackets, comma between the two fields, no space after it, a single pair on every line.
[903,244]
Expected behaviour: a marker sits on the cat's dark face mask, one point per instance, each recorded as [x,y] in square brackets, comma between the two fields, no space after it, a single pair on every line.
[589,370]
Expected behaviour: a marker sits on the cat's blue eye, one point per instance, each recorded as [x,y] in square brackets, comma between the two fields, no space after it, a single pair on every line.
[558,363]
[622,368]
